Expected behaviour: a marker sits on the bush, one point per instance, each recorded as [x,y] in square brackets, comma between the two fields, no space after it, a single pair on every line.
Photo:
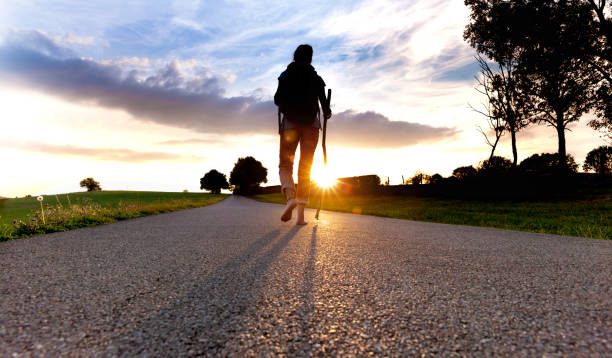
[599,160]
[495,165]
[435,179]
[419,178]
[546,163]
[465,172]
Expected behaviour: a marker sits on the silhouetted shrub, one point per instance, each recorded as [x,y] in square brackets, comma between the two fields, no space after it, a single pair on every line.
[463,173]
[419,178]
[435,179]
[599,160]
[495,165]
[547,163]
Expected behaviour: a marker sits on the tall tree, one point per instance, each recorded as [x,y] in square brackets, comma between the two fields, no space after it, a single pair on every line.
[544,37]
[507,108]
[247,174]
[490,109]
[214,181]
[599,56]
[562,88]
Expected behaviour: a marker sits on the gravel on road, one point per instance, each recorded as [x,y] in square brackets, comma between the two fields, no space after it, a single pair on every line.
[231,280]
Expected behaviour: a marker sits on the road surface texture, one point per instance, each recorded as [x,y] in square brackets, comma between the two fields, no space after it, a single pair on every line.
[232,280]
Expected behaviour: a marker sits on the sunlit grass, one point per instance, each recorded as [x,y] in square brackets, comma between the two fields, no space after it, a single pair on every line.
[22,218]
[583,218]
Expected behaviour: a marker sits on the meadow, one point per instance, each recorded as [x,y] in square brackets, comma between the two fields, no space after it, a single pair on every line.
[590,217]
[22,217]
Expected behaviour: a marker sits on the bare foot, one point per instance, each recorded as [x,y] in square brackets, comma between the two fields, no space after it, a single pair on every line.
[288,210]
[300,215]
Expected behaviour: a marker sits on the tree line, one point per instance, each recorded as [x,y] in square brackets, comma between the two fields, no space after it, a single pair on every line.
[598,160]
[246,176]
[542,63]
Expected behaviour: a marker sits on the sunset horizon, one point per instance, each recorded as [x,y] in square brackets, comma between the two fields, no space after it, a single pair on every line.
[152,97]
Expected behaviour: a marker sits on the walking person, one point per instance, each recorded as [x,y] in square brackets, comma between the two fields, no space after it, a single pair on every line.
[300,90]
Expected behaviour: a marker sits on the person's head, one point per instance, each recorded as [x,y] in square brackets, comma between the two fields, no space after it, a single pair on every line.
[303,54]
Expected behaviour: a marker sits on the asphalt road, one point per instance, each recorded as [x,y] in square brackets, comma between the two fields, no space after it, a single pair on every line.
[232,280]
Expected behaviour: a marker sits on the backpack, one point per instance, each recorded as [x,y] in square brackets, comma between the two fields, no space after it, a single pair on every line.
[297,94]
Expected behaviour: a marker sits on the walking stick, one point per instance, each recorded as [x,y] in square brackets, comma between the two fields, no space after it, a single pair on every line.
[324,150]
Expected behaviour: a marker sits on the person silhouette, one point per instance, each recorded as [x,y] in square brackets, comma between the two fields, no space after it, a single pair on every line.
[300,89]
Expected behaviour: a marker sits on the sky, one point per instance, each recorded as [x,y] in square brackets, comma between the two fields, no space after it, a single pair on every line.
[151,95]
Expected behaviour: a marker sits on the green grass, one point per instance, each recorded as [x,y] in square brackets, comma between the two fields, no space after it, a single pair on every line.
[22,217]
[590,218]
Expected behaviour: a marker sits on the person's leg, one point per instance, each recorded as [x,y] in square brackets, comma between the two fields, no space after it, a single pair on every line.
[289,139]
[308,145]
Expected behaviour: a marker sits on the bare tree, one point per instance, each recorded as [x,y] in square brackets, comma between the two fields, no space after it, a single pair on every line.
[494,121]
[506,109]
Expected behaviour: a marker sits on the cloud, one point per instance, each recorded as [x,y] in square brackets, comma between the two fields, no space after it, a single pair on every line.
[105,154]
[371,129]
[38,42]
[71,39]
[191,141]
[128,61]
[182,94]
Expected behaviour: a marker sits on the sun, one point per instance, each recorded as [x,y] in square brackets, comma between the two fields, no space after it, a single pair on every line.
[325,179]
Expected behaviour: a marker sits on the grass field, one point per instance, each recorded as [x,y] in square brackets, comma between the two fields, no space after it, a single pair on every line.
[22,217]
[590,218]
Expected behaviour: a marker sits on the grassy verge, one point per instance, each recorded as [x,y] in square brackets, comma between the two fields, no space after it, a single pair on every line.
[584,218]
[23,217]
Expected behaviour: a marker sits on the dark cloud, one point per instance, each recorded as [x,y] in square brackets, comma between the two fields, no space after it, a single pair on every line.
[106,154]
[371,129]
[171,97]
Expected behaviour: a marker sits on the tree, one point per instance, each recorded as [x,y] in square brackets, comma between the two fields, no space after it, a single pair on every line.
[465,172]
[435,179]
[507,108]
[90,184]
[546,38]
[599,160]
[247,174]
[546,163]
[214,182]
[495,166]
[599,57]
[419,178]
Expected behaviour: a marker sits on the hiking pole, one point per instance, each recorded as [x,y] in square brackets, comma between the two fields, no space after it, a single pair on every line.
[328,99]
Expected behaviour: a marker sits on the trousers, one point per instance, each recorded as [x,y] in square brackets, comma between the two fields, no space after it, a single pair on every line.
[307,138]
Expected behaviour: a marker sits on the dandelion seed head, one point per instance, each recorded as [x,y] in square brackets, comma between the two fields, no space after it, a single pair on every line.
[40,198]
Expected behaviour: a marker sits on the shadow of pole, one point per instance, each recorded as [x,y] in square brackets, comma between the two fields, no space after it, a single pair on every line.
[204,319]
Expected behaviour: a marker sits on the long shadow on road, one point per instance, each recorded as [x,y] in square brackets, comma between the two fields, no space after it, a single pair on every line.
[206,317]
[306,309]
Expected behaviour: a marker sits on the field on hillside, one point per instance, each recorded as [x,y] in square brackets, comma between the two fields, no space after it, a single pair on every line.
[22,217]
[590,218]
